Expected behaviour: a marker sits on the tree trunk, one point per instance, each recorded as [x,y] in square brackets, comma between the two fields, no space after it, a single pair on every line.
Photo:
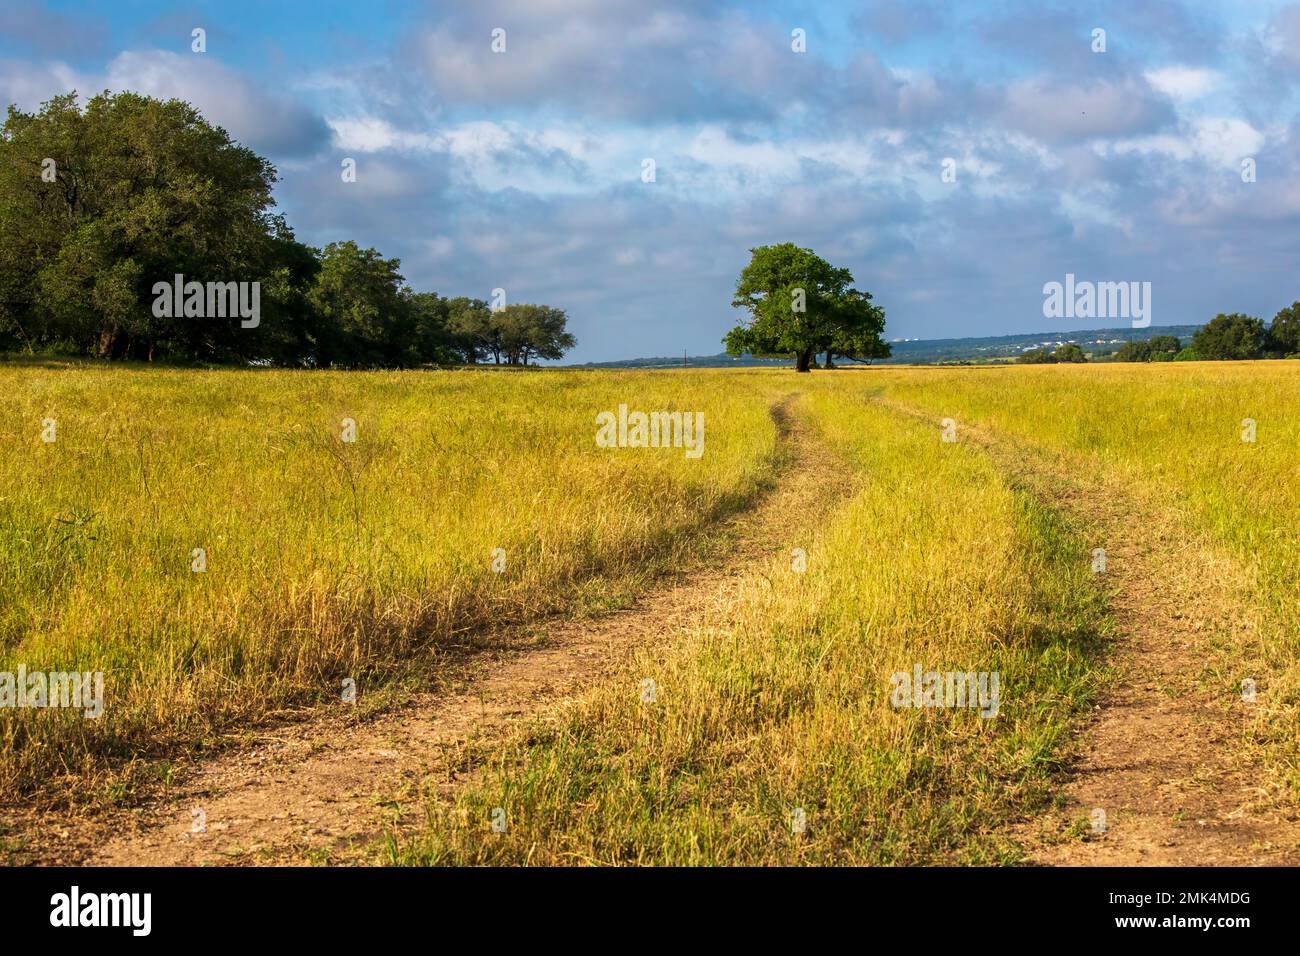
[110,341]
[828,359]
[803,361]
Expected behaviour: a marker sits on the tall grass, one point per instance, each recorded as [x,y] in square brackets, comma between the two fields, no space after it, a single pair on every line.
[1175,429]
[935,562]
[325,559]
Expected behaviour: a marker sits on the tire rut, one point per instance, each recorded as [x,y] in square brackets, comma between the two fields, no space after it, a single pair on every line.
[1165,754]
[331,787]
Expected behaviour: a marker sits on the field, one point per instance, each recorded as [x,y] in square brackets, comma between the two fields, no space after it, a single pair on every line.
[718,638]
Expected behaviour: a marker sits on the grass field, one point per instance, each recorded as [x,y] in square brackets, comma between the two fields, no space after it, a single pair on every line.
[325,560]
[329,560]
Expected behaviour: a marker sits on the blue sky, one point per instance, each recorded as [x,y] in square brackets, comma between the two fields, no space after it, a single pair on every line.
[523,170]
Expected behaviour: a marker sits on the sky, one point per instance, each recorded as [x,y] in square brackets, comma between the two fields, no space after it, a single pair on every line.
[956,157]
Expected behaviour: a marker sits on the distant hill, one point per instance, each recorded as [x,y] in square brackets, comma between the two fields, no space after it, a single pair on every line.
[1098,344]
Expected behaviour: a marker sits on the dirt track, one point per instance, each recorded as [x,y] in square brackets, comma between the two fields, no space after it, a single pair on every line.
[1163,754]
[329,788]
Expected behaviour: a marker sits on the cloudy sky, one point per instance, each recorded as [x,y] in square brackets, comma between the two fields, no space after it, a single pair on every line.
[524,169]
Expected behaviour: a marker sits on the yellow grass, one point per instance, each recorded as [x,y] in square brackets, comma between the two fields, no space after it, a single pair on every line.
[329,560]
[326,560]
[1176,429]
[935,562]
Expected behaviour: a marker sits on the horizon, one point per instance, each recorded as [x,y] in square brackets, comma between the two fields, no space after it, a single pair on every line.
[1059,336]
[955,161]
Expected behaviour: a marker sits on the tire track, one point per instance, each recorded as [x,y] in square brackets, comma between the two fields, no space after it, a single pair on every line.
[1165,754]
[331,787]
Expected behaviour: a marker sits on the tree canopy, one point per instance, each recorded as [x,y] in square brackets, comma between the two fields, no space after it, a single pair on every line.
[1158,348]
[800,305]
[1234,336]
[102,206]
[1284,333]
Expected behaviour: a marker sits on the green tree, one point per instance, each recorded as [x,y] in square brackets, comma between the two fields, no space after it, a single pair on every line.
[800,305]
[432,339]
[1070,352]
[469,322]
[860,325]
[1137,351]
[364,307]
[1036,357]
[1234,336]
[1284,333]
[532,331]
[97,205]
[1167,345]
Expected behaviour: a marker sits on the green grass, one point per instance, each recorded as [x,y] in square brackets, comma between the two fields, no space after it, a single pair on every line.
[935,562]
[1175,430]
[329,560]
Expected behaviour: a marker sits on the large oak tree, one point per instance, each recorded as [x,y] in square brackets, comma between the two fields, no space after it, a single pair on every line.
[800,305]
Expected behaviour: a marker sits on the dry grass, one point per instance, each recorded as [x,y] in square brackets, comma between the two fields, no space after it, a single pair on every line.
[934,562]
[1173,431]
[325,559]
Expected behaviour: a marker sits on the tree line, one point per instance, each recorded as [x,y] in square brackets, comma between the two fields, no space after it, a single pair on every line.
[1223,338]
[102,206]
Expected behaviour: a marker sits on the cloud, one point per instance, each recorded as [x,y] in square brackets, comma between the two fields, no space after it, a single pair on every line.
[1283,35]
[28,85]
[267,121]
[1184,82]
[1061,110]
[901,20]
[50,32]
[522,170]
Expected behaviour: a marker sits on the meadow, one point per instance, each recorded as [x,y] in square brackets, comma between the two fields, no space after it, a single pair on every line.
[325,560]
[474,498]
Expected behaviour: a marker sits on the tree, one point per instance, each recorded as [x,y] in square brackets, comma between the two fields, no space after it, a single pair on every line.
[1164,343]
[800,305]
[531,331]
[1162,348]
[1284,333]
[469,322]
[1158,348]
[1070,352]
[432,339]
[1135,351]
[365,309]
[859,331]
[1036,357]
[1234,336]
[97,205]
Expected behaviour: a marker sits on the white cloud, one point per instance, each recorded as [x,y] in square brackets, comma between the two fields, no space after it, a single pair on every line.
[1054,110]
[28,85]
[1218,140]
[1184,82]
